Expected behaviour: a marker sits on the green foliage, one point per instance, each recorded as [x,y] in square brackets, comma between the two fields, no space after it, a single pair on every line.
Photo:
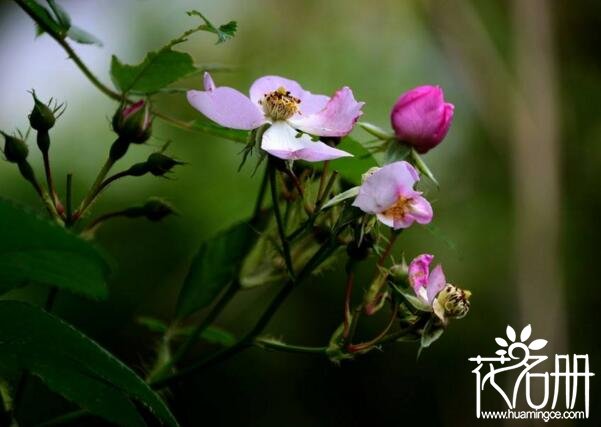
[57,21]
[224,32]
[396,151]
[216,264]
[211,334]
[34,250]
[165,66]
[216,130]
[158,70]
[73,365]
[352,168]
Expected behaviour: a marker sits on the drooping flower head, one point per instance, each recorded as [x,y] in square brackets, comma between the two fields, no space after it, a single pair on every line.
[288,108]
[388,193]
[447,301]
[421,117]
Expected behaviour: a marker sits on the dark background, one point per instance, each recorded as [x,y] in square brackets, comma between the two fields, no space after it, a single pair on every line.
[516,216]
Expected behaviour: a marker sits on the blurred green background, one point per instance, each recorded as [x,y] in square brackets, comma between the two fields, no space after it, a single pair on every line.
[516,215]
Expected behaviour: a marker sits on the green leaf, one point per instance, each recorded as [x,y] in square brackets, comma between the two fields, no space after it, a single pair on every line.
[421,166]
[224,32]
[165,66]
[74,366]
[395,152]
[34,250]
[153,324]
[432,332]
[350,193]
[216,130]
[44,16]
[80,35]
[158,70]
[352,168]
[215,265]
[216,335]
[61,16]
[212,334]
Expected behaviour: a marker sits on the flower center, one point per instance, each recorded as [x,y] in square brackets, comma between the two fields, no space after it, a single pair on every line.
[455,301]
[400,208]
[279,104]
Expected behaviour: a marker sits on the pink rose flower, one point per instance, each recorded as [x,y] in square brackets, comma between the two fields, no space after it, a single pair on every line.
[422,118]
[388,193]
[426,284]
[288,108]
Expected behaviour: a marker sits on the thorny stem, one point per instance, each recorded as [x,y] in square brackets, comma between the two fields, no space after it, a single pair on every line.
[323,253]
[347,302]
[353,348]
[196,333]
[93,79]
[267,344]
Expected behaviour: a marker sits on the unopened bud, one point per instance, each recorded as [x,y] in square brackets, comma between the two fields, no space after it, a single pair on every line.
[156,209]
[159,164]
[15,149]
[42,117]
[399,272]
[133,123]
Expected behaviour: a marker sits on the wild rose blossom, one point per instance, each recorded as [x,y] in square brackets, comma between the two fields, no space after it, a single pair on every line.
[388,193]
[422,118]
[447,301]
[288,108]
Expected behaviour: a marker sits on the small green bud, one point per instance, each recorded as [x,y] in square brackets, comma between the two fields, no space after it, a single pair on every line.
[138,169]
[399,272]
[157,209]
[15,149]
[42,117]
[159,164]
[133,123]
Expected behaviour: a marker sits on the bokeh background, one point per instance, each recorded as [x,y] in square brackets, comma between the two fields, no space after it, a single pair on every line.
[517,213]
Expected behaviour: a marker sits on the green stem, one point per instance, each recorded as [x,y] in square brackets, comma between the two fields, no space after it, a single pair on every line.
[69,200]
[280,222]
[267,344]
[95,188]
[196,333]
[322,254]
[261,195]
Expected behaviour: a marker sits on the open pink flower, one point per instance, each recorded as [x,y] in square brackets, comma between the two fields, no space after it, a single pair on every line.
[388,193]
[289,108]
[426,284]
[421,117]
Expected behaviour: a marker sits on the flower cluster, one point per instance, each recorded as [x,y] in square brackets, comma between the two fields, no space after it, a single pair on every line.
[295,124]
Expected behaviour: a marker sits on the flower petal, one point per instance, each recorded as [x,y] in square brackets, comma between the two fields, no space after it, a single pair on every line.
[382,189]
[436,282]
[310,103]
[281,141]
[420,210]
[337,118]
[226,106]
[419,271]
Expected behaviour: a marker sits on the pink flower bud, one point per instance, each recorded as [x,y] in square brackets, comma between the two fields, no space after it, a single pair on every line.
[421,118]
[133,123]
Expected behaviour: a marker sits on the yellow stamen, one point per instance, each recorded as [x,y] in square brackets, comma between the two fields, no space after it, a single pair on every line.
[279,104]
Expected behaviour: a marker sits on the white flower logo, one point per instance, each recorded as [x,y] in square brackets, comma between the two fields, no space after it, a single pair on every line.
[524,336]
